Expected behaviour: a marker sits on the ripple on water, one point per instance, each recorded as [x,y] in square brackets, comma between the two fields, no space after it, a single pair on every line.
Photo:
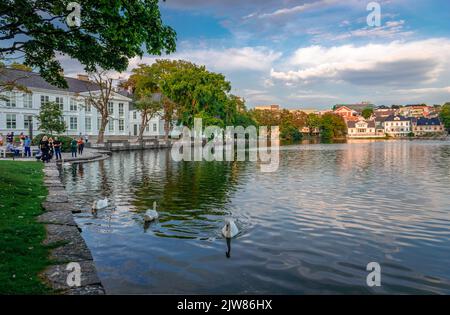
[310,227]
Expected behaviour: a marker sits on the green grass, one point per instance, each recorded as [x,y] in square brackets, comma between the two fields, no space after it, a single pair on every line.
[22,255]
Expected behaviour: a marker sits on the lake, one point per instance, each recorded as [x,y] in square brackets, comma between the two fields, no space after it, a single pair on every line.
[311,227]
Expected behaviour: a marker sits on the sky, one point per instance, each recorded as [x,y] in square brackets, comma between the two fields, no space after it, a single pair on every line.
[315,53]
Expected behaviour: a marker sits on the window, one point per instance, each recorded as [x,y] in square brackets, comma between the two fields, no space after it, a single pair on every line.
[111,108]
[10,99]
[27,121]
[88,123]
[147,128]
[44,100]
[154,127]
[99,123]
[60,102]
[73,105]
[111,125]
[121,111]
[134,115]
[121,125]
[11,122]
[73,123]
[27,100]
[87,108]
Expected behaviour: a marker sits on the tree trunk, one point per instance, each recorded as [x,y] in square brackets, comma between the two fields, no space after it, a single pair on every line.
[166,129]
[101,132]
[144,122]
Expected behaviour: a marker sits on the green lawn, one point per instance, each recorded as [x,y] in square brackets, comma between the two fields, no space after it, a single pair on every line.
[22,255]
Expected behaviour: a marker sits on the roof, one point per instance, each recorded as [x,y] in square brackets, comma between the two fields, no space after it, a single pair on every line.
[396,118]
[422,121]
[34,80]
[352,124]
[356,107]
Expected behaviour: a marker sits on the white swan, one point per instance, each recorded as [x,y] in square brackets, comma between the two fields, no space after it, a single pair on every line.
[151,214]
[101,204]
[230,229]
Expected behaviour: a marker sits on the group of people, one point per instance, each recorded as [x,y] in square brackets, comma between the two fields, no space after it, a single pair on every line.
[25,142]
[49,147]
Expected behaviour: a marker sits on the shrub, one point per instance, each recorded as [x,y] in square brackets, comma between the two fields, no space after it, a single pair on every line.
[65,140]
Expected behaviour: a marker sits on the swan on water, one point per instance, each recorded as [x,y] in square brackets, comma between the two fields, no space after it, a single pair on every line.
[100,204]
[230,229]
[151,214]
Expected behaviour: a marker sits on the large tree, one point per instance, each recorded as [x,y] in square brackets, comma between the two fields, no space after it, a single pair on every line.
[100,89]
[110,32]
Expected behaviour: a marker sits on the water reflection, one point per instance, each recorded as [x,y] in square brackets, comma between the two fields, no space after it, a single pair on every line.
[311,227]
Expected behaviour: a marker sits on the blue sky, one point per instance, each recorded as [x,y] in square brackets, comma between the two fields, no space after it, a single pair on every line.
[316,53]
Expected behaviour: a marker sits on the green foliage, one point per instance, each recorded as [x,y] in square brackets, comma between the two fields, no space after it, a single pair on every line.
[189,91]
[65,141]
[22,255]
[332,126]
[445,115]
[111,32]
[289,132]
[51,118]
[367,112]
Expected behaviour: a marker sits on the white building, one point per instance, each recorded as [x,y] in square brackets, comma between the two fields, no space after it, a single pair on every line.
[18,110]
[397,126]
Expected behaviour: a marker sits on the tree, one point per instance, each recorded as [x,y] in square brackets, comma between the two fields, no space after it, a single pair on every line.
[196,91]
[51,119]
[100,89]
[149,107]
[332,126]
[313,122]
[367,112]
[109,34]
[445,115]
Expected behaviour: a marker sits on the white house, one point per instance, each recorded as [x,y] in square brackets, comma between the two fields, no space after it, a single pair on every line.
[363,129]
[397,126]
[18,110]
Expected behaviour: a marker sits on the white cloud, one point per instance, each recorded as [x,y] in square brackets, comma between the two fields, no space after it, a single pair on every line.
[396,63]
[223,60]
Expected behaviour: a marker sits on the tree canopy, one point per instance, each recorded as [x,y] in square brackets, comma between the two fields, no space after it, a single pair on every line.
[445,115]
[110,32]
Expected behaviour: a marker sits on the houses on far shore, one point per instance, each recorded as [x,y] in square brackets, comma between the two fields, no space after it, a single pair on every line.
[395,122]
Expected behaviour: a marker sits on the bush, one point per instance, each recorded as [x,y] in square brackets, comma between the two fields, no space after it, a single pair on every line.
[65,140]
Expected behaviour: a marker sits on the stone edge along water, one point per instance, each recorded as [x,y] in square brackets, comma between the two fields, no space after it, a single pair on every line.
[62,229]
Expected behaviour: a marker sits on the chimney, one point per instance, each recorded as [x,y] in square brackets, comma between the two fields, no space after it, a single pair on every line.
[83,77]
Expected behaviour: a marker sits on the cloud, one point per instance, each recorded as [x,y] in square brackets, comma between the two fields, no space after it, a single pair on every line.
[396,63]
[298,9]
[223,60]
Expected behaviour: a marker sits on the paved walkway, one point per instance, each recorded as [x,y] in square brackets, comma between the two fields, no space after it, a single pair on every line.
[88,155]
[71,251]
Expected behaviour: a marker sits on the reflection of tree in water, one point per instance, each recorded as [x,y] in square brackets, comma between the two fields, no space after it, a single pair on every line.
[189,194]
[104,184]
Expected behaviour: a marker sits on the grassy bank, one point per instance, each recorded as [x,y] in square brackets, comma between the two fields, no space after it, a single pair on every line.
[22,255]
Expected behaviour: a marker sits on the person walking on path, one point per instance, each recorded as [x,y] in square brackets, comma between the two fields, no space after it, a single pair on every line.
[74,147]
[27,146]
[80,146]
[45,148]
[57,147]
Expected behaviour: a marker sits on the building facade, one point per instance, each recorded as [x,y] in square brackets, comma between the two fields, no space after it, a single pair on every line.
[428,126]
[363,129]
[19,110]
[397,126]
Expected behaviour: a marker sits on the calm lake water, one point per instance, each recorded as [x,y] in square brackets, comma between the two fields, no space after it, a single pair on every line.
[311,227]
